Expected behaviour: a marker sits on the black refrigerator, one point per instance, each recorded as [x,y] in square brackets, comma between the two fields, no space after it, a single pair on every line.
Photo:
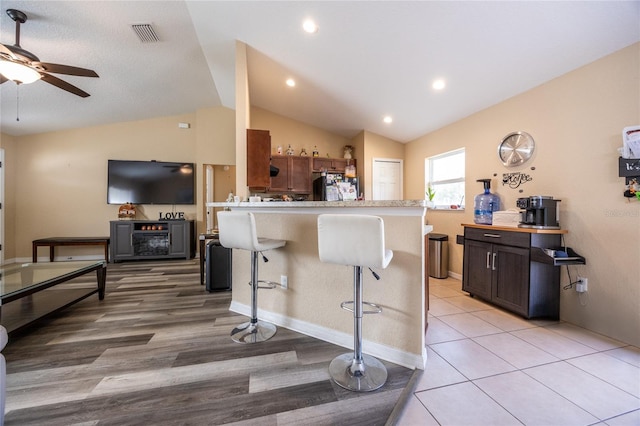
[335,187]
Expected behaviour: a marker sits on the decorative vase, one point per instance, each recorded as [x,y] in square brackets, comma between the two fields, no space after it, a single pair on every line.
[347,152]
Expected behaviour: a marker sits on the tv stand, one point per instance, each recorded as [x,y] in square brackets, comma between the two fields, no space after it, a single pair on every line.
[152,239]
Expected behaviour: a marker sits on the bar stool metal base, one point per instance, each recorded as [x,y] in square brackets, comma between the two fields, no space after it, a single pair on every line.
[249,332]
[365,376]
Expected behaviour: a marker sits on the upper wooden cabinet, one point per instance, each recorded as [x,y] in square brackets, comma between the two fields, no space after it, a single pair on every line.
[294,175]
[258,158]
[331,164]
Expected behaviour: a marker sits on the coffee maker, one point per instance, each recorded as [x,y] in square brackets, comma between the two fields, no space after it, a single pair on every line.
[540,212]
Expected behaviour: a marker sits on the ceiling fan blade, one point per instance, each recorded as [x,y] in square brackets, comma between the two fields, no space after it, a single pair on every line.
[63,85]
[65,69]
[4,49]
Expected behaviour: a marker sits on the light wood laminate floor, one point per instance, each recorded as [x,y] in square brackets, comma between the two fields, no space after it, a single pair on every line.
[157,351]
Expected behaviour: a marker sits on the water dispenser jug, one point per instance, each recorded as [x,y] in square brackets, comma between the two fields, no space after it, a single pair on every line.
[485,204]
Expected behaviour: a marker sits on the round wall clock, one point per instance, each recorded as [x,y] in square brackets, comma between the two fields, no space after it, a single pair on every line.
[516,148]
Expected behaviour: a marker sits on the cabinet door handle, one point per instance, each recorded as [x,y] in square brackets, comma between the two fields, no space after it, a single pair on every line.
[493,265]
[492,235]
[488,255]
[170,242]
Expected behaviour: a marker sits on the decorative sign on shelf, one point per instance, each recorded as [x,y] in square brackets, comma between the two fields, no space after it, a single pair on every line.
[515,179]
[172,216]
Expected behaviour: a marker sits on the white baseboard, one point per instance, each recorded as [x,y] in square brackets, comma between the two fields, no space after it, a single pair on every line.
[345,340]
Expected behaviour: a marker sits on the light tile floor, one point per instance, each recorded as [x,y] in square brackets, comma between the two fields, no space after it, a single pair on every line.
[488,367]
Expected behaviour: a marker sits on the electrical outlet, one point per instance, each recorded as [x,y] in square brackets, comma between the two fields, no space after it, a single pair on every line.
[284,282]
[581,284]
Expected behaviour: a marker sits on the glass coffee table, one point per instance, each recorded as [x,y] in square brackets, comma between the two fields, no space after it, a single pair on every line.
[23,298]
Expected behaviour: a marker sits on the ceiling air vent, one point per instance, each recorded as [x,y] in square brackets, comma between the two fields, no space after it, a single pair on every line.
[145,33]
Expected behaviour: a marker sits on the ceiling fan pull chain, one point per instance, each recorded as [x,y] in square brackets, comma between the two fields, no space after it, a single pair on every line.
[17,102]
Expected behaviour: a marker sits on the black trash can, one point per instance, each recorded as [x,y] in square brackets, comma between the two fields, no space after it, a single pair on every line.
[438,255]
[217,267]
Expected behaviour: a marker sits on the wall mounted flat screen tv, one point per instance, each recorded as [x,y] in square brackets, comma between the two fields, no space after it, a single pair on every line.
[150,182]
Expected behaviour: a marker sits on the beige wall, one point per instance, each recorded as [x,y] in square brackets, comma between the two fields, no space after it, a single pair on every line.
[243,119]
[576,121]
[61,182]
[8,144]
[215,134]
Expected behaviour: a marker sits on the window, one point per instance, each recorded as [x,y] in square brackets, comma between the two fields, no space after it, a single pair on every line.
[445,175]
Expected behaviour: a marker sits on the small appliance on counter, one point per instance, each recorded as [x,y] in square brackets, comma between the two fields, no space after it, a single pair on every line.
[540,212]
[335,187]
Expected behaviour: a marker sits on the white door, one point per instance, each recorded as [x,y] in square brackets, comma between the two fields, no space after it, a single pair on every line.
[387,179]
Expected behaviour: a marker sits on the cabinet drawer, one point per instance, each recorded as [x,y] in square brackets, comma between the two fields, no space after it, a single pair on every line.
[516,239]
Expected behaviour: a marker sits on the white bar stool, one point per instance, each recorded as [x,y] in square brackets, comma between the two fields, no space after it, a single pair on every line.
[358,241]
[238,231]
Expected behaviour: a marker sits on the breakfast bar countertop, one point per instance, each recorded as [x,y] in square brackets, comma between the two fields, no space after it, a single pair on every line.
[286,204]
[382,207]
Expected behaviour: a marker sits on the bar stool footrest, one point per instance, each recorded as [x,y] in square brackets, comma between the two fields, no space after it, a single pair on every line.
[376,308]
[269,285]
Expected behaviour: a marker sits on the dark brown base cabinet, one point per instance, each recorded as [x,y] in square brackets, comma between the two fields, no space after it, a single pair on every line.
[152,239]
[498,267]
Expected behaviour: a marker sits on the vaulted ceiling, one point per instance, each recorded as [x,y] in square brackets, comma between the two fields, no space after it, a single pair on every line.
[368,60]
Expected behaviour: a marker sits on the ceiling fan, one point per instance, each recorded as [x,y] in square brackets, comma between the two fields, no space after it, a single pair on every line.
[22,66]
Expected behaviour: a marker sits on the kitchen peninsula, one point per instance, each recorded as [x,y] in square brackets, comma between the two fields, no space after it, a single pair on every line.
[311,303]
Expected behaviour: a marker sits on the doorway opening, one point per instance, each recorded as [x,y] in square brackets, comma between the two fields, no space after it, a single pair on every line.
[219,182]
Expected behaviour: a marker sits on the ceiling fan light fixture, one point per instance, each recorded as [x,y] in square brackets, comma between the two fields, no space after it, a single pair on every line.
[19,73]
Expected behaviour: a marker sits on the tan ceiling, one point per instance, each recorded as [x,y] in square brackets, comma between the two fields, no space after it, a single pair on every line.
[369,58]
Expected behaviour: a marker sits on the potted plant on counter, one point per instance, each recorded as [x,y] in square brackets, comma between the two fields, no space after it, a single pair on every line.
[430,195]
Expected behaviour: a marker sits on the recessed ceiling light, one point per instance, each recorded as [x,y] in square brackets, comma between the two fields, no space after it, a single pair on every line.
[310,26]
[387,119]
[291,82]
[438,84]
